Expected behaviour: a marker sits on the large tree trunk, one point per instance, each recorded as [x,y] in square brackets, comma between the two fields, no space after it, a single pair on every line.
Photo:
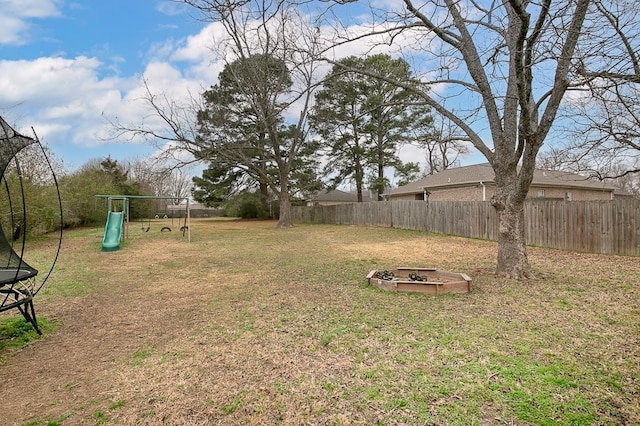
[359,175]
[380,175]
[264,196]
[512,250]
[285,220]
[508,201]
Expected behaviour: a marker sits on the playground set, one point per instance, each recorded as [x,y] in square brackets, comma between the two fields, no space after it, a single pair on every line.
[118,223]
[18,279]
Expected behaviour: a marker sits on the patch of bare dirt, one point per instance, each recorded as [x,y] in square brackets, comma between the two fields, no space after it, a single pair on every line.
[69,371]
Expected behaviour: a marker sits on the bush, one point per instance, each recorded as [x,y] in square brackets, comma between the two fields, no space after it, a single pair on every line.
[247,205]
[248,210]
[78,197]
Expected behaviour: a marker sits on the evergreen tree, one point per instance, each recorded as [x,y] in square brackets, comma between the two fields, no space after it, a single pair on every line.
[242,133]
[362,120]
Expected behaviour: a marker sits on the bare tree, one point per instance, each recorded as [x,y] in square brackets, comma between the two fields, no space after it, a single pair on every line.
[499,71]
[443,148]
[170,125]
[599,126]
[35,167]
[611,115]
[160,178]
[256,29]
[179,185]
[251,28]
[151,174]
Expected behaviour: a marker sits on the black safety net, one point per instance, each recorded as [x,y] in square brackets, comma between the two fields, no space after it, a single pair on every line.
[12,208]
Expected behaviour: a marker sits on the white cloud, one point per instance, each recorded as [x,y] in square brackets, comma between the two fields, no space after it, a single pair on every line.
[16,14]
[30,8]
[171,8]
[11,29]
[165,78]
[195,54]
[62,98]
[47,81]
[202,46]
[69,101]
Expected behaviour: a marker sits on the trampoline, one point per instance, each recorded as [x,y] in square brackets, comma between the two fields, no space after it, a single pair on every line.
[7,276]
[18,280]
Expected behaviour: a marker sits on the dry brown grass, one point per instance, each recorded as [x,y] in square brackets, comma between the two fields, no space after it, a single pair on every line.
[253,325]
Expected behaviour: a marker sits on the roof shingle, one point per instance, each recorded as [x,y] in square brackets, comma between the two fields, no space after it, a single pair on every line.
[468,175]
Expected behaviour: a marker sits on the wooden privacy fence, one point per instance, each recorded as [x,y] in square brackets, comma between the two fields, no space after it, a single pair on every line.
[586,226]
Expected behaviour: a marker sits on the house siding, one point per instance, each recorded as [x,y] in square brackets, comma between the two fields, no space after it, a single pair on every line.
[467,193]
[404,197]
[577,194]
[477,183]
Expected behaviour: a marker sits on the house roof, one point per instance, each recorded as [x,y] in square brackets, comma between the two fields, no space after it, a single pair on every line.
[335,195]
[477,173]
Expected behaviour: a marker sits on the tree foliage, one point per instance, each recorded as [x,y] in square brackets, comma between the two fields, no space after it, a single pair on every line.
[29,176]
[100,176]
[239,114]
[218,184]
[244,137]
[267,38]
[79,189]
[362,120]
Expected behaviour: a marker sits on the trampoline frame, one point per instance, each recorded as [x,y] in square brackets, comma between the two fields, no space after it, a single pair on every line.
[19,295]
[18,284]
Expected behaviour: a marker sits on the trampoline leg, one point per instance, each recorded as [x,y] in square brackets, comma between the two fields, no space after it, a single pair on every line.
[29,314]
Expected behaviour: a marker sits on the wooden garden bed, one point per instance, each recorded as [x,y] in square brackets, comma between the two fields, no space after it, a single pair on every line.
[421,280]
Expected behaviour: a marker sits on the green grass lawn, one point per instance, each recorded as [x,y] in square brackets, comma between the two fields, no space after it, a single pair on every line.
[248,324]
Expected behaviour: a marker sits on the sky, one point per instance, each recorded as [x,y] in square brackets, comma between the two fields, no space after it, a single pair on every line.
[69,67]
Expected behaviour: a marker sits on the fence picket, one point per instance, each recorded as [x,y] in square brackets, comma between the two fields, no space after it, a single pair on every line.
[585,226]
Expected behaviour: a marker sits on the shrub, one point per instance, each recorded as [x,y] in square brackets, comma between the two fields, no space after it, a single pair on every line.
[247,205]
[248,210]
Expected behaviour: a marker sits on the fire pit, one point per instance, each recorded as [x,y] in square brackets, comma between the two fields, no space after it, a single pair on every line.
[421,280]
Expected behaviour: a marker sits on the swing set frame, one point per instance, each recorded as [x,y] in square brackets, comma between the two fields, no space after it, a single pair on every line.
[126,208]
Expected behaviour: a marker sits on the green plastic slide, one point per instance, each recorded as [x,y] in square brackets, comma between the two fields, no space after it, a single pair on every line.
[112,231]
